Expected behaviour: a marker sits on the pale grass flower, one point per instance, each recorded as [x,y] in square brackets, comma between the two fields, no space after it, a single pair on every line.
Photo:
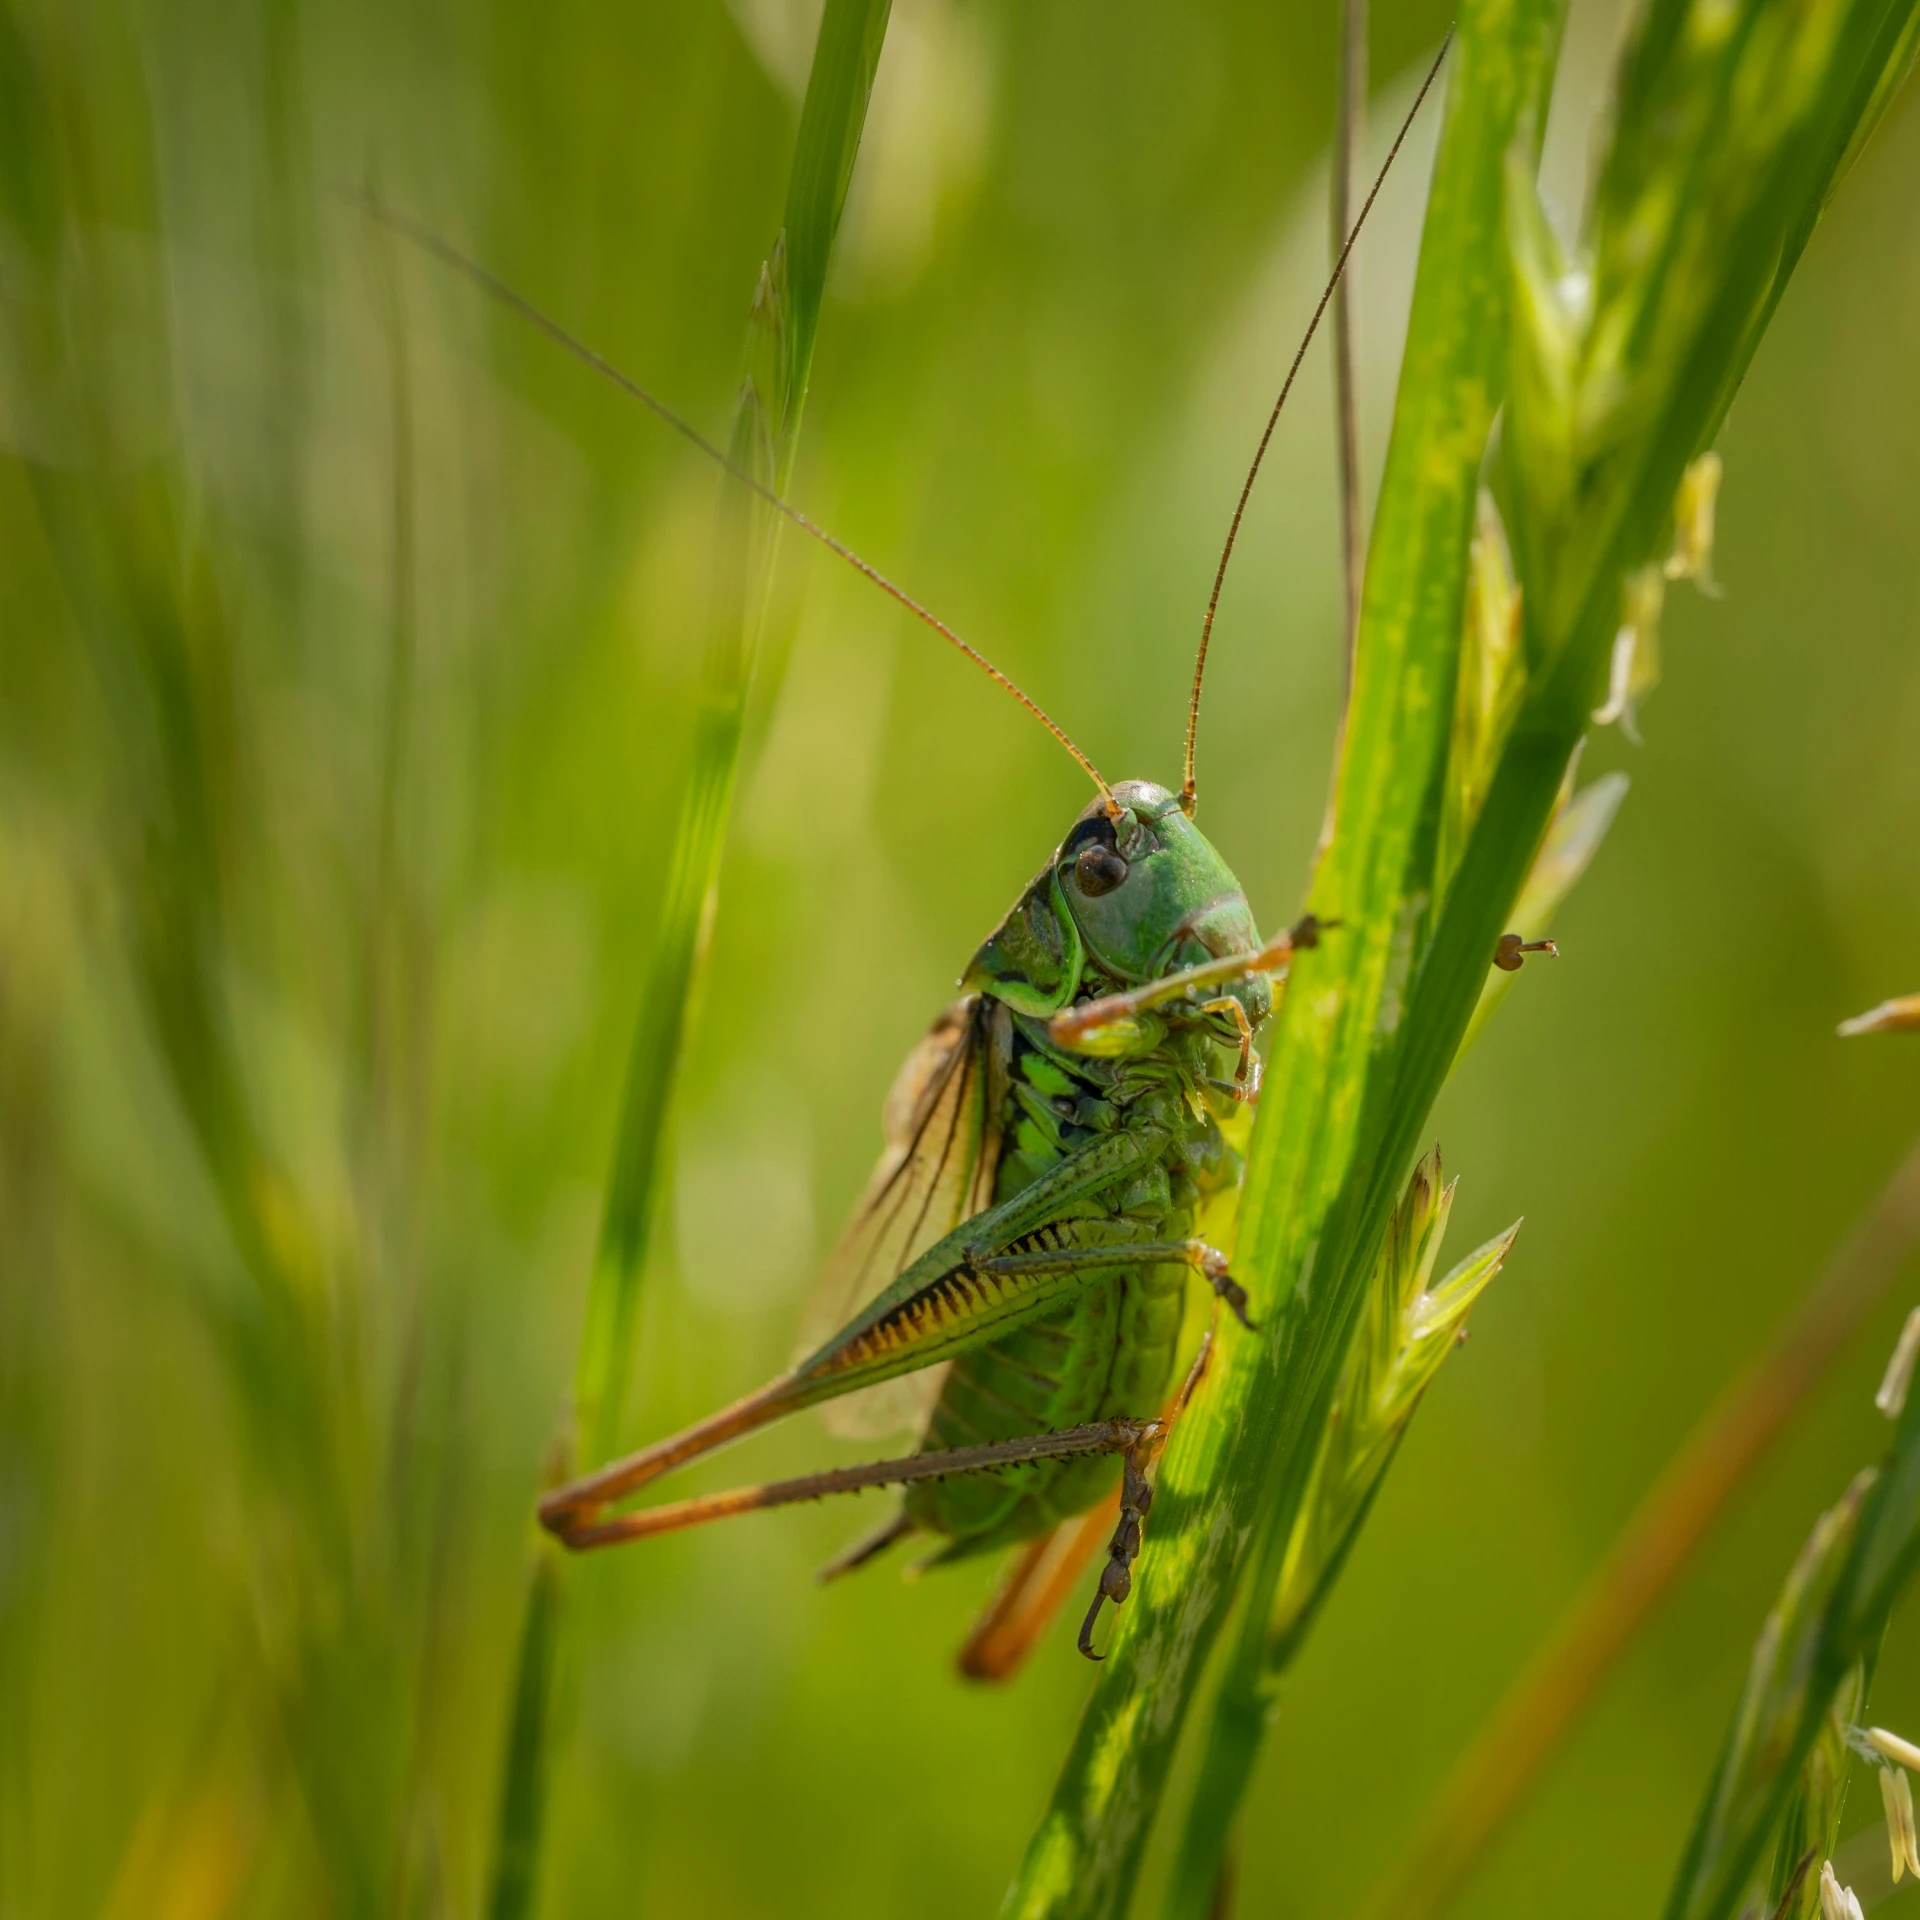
[1692,555]
[1896,1796]
[1890,1016]
[1899,1375]
[1837,1902]
[1902,1752]
[1635,670]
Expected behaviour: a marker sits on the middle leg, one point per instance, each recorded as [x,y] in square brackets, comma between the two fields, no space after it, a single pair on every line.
[1209,1262]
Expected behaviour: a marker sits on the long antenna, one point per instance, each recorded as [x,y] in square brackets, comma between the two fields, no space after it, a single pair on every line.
[497,289]
[1349,123]
[1273,419]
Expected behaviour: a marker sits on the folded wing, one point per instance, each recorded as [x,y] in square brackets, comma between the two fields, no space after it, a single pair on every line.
[941,1127]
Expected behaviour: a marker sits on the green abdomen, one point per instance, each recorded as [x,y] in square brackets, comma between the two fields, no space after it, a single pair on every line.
[1106,1352]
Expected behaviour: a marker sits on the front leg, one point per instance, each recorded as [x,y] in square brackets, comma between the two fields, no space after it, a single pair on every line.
[1075,1026]
[1246,1076]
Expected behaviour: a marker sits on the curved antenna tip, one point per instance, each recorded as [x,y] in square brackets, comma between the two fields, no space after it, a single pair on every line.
[1187,789]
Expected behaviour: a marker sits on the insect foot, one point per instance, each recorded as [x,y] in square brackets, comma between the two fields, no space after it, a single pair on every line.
[1512,951]
[1116,1577]
[1242,1092]
[1213,1265]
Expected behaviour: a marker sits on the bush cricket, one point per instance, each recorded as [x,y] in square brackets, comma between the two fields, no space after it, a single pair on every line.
[1012,1281]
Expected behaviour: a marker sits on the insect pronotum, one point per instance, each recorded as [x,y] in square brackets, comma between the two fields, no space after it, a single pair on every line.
[1021,1253]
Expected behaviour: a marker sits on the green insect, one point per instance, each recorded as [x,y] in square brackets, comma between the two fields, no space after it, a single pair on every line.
[1013,1280]
[1029,1230]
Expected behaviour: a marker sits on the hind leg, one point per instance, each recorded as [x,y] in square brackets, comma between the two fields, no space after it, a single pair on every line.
[1102,1436]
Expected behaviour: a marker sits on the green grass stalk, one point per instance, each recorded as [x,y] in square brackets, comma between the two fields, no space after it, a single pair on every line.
[782,328]
[1775,1793]
[1665,355]
[1729,137]
[1268,1399]
[1654,1549]
[1409,1328]
[145,575]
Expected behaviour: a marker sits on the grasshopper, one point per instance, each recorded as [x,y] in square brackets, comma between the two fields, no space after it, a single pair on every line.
[1023,1246]
[1012,1280]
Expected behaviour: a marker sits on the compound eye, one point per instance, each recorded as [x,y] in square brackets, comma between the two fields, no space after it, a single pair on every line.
[1098,870]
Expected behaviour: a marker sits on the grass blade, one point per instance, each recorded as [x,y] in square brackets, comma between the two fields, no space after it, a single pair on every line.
[1652,1552]
[1776,1789]
[1348,137]
[145,578]
[1268,1399]
[523,1793]
[1761,1762]
[1668,347]
[1409,1329]
[781,331]
[782,328]
[1726,145]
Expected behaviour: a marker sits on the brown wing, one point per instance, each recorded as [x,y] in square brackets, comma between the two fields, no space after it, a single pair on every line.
[941,1128]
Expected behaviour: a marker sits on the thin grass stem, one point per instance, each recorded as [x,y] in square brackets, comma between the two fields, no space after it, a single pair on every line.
[1494,1777]
[782,328]
[1611,384]
[1266,1405]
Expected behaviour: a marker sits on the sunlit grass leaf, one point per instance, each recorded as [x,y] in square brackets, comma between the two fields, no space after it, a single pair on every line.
[832,117]
[1730,126]
[1408,1329]
[1236,1470]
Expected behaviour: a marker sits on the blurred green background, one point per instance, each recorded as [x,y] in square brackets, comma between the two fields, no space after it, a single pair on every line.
[1080,246]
